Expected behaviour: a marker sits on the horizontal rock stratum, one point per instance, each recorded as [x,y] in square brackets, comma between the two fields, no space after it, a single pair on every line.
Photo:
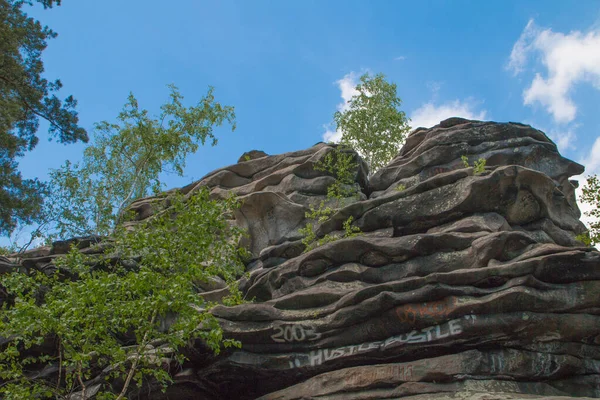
[461,285]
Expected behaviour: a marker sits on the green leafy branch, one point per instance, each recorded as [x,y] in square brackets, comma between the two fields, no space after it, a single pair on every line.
[126,159]
[122,322]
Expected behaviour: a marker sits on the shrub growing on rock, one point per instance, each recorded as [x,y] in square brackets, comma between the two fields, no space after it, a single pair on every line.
[340,163]
[122,317]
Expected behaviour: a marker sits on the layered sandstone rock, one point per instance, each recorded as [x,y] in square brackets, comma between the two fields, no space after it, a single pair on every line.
[462,285]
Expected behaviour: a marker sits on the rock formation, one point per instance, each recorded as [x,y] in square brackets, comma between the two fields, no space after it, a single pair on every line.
[461,285]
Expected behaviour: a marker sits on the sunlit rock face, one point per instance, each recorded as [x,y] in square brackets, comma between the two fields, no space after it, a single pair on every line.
[461,285]
[275,192]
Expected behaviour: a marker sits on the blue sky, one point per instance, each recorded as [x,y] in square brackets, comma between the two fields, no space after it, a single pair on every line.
[286,66]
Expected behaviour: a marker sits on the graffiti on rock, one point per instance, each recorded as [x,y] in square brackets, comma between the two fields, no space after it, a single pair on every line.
[410,313]
[425,335]
[403,372]
[496,363]
[294,333]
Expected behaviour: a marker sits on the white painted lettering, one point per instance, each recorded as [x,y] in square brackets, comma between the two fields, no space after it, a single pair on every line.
[316,357]
[294,333]
[414,337]
[427,331]
[455,327]
[438,333]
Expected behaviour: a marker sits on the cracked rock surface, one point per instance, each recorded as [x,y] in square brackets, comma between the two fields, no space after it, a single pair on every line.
[461,285]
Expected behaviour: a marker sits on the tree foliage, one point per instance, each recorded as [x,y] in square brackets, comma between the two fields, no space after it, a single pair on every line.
[373,124]
[125,161]
[124,321]
[25,98]
[590,194]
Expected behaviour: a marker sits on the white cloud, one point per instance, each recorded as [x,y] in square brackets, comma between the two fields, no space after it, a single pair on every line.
[430,114]
[518,55]
[400,58]
[564,137]
[568,58]
[564,140]
[592,161]
[347,86]
[427,115]
[434,87]
[331,135]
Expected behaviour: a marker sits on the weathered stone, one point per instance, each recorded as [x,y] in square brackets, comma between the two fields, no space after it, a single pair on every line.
[429,152]
[275,191]
[252,155]
[213,283]
[42,251]
[64,246]
[460,286]
[270,219]
[452,372]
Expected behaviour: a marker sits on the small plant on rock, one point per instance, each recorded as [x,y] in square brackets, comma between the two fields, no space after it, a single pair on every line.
[349,229]
[478,166]
[342,166]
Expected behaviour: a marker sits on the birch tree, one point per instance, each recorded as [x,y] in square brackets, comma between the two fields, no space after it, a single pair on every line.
[125,159]
[373,124]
